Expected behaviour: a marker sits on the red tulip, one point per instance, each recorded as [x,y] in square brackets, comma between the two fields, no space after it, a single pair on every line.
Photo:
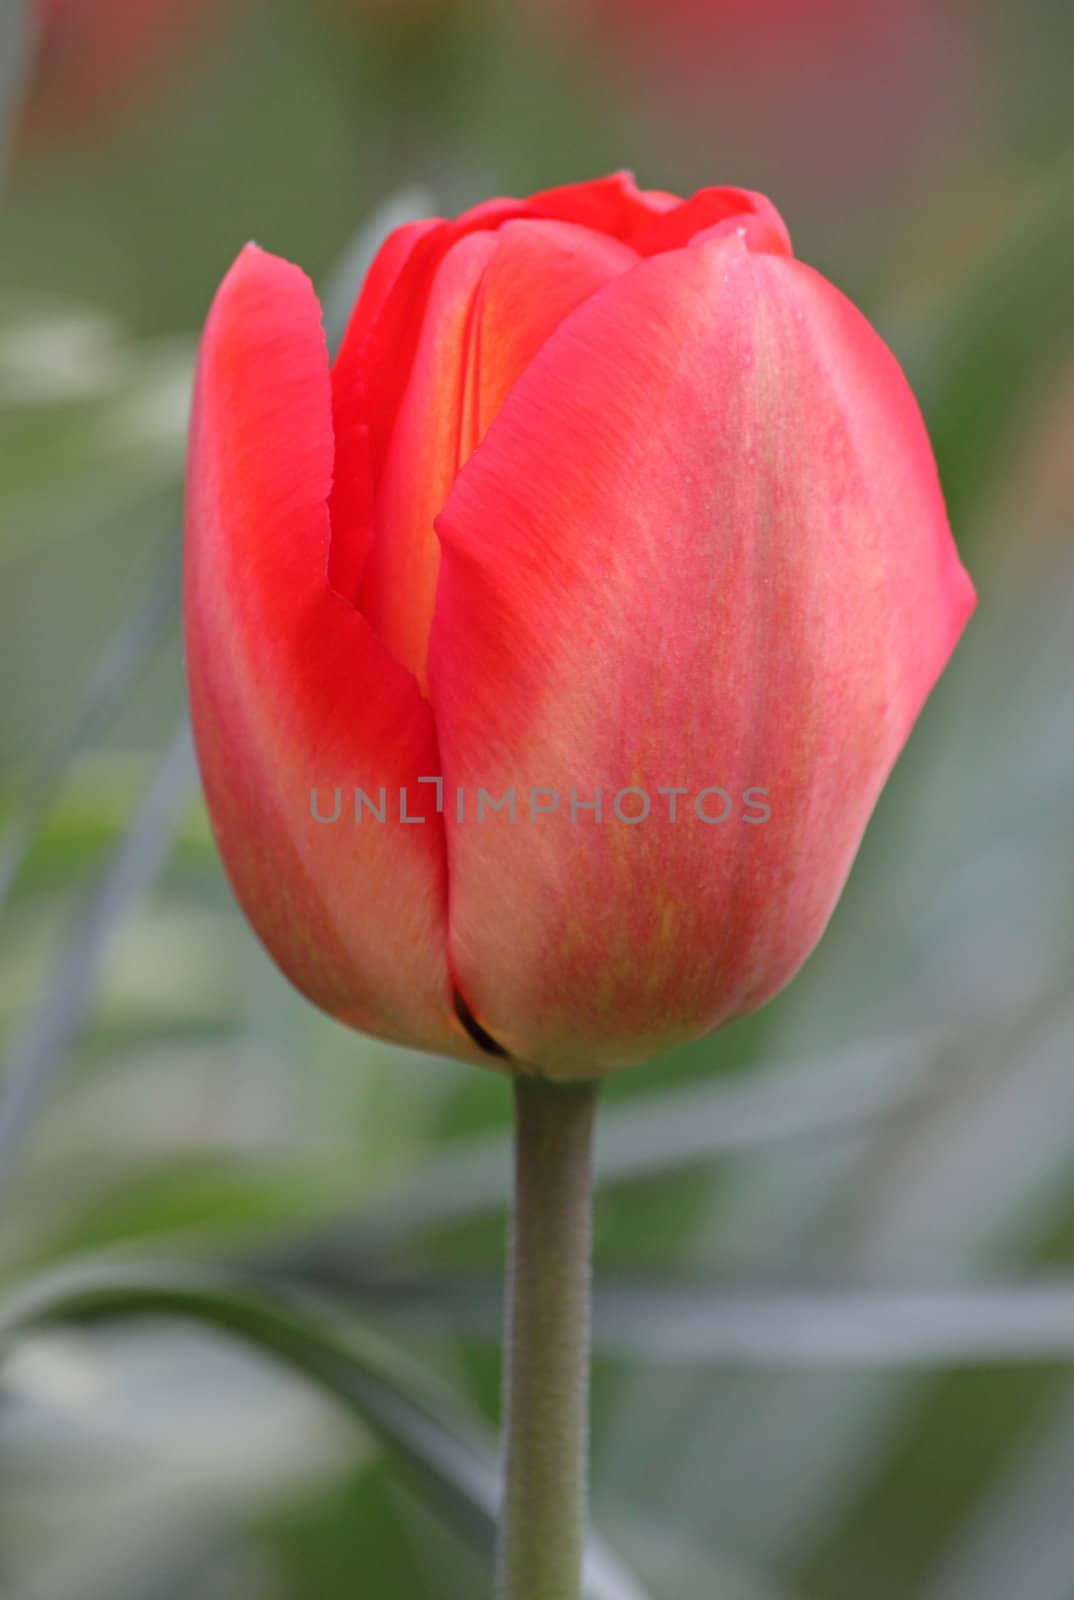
[606,494]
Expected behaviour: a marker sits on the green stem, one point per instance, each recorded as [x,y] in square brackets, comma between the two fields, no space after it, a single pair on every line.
[546,1343]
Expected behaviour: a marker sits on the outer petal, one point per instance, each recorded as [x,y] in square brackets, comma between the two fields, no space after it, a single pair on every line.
[703,544]
[290,689]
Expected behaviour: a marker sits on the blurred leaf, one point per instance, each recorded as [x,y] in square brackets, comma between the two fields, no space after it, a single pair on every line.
[57,352]
[677,1568]
[120,664]
[659,1134]
[1019,1538]
[699,1323]
[417,1421]
[211,1206]
[1027,1322]
[92,423]
[944,1199]
[153,1564]
[972,345]
[54,1020]
[328,1543]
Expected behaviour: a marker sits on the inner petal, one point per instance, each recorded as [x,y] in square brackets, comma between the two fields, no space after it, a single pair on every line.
[495,300]
[707,210]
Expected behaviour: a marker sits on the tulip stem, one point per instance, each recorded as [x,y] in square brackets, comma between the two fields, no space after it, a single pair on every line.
[546,1343]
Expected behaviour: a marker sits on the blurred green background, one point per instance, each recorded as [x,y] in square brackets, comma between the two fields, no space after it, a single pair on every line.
[250,1264]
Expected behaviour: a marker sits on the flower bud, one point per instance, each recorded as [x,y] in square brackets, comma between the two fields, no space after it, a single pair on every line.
[548,653]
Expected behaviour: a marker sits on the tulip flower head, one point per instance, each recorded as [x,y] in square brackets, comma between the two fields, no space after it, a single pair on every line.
[548,650]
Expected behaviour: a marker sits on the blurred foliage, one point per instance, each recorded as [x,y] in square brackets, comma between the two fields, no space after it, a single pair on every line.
[249,1264]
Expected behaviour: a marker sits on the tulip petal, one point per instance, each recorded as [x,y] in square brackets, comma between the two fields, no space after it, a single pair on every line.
[291,691]
[378,352]
[351,502]
[702,548]
[613,205]
[541,270]
[494,301]
[715,208]
[398,590]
